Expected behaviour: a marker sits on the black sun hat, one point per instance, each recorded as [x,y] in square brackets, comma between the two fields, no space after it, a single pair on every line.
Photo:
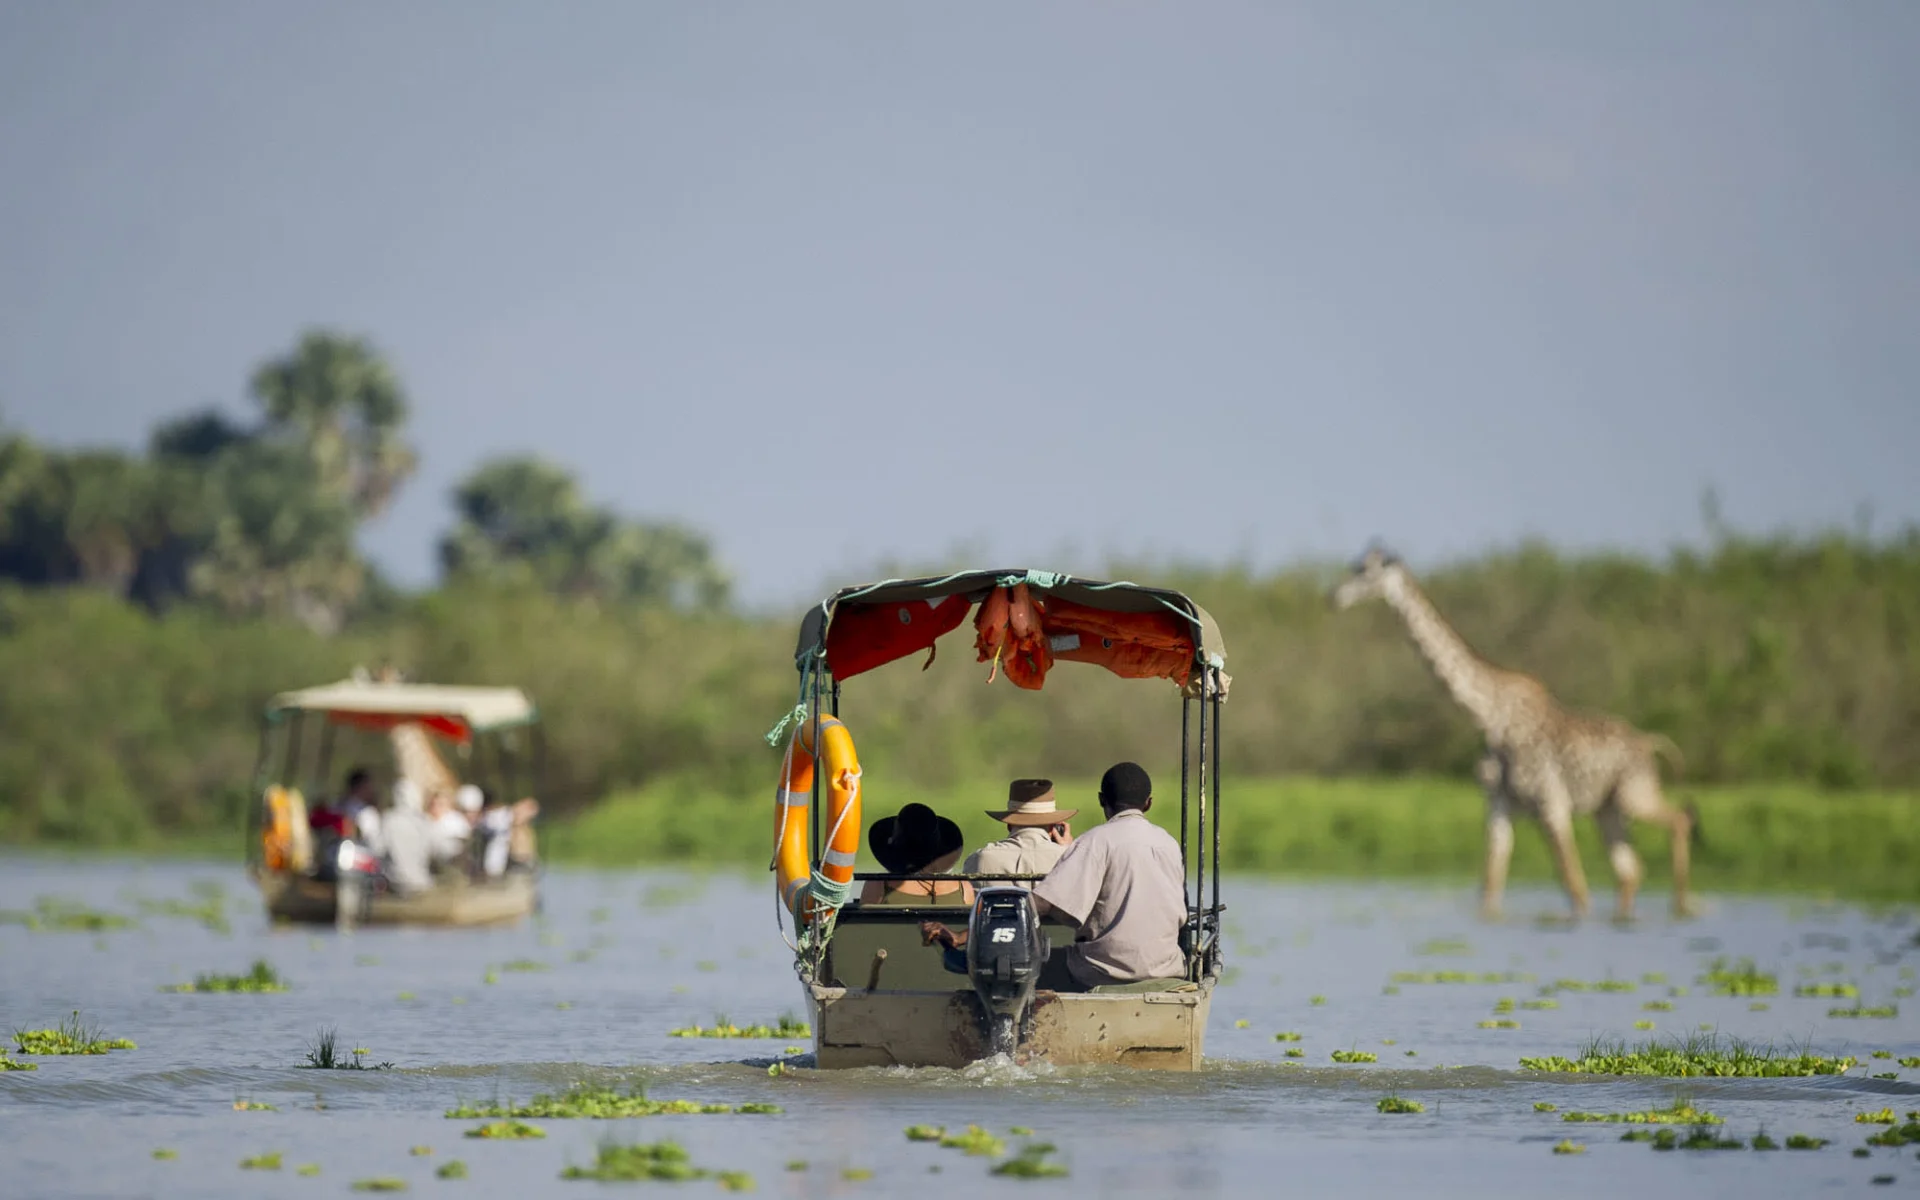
[907,842]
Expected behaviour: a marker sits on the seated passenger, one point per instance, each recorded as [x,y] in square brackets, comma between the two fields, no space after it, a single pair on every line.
[448,829]
[1039,834]
[1122,886]
[337,818]
[408,836]
[918,841]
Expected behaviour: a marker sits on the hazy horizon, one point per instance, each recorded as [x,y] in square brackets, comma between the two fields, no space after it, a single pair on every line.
[854,282]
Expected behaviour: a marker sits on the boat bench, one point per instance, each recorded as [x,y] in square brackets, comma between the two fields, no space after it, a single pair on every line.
[909,966]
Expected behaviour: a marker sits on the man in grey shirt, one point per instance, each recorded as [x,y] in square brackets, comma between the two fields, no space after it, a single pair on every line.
[1122,886]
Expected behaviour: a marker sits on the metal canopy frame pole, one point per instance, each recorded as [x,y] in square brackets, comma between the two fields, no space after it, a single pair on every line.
[1200,889]
[1216,809]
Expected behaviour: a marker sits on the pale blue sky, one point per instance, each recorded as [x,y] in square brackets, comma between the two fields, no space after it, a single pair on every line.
[839,282]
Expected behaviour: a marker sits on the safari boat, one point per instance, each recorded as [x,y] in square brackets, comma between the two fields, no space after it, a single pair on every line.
[878,996]
[494,731]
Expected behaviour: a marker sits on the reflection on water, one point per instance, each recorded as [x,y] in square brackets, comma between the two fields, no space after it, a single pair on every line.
[588,992]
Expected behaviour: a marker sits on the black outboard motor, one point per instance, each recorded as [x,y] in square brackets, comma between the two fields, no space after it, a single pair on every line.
[1005,951]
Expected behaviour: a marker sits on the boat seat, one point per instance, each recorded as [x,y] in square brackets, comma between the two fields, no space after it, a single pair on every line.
[910,966]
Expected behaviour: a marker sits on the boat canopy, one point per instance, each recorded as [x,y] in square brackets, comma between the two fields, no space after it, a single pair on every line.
[1029,619]
[455,713]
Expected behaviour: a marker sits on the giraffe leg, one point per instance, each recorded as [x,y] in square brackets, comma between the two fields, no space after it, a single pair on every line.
[1499,840]
[1556,814]
[1639,796]
[1620,855]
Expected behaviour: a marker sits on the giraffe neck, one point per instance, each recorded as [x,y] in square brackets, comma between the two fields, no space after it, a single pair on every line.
[415,757]
[1466,676]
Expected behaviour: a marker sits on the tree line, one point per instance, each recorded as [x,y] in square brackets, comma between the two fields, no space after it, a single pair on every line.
[150,603]
[259,518]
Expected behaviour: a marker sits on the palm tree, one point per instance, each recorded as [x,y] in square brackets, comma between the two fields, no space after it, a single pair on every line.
[340,398]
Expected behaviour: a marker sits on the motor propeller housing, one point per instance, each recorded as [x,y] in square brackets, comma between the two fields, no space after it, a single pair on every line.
[1006,949]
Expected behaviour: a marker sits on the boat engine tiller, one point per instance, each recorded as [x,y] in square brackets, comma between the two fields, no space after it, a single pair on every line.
[1005,951]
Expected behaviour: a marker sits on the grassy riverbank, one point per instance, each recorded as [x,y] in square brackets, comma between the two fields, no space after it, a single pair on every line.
[1760,837]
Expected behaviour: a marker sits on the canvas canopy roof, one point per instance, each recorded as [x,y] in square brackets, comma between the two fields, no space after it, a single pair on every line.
[951,595]
[454,712]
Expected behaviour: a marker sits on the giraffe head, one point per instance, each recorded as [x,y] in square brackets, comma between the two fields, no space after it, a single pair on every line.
[1375,574]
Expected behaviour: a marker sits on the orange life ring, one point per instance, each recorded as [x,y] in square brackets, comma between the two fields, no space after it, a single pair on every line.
[276,836]
[792,800]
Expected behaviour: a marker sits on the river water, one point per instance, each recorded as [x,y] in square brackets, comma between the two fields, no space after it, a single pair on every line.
[628,956]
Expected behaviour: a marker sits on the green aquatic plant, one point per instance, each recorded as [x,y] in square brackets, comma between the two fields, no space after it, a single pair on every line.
[640,1160]
[1883,1054]
[1444,946]
[380,1183]
[1899,1135]
[601,1103]
[1653,977]
[9,1063]
[508,1130]
[420,1151]
[1884,1117]
[1694,1055]
[1286,1036]
[1883,1012]
[1910,1062]
[788,1026]
[71,1036]
[1568,1146]
[1545,1106]
[1741,978]
[261,978]
[1500,1023]
[1503,1005]
[210,912]
[1580,985]
[453,1168]
[1030,1163]
[1643,1025]
[1758,1006]
[926,1133]
[323,1055]
[52,915]
[856,1174]
[796,1164]
[1801,1141]
[165,1155]
[1681,1113]
[261,1162]
[1657,1006]
[1242,1023]
[1460,977]
[1019,1131]
[1316,1001]
[524,966]
[1398,1104]
[1828,991]
[307,1169]
[1540,1005]
[1762,1142]
[975,1141]
[253,1106]
[1700,1137]
[1354,1056]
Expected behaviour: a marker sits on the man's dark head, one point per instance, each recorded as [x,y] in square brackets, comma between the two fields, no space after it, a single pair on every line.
[1125,787]
[359,780]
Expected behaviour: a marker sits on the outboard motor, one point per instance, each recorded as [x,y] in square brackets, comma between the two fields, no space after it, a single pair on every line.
[1005,951]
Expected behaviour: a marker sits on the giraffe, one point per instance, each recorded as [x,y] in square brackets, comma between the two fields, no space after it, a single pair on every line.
[1542,759]
[414,757]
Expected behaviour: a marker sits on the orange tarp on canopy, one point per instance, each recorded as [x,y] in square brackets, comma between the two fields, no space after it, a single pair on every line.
[864,636]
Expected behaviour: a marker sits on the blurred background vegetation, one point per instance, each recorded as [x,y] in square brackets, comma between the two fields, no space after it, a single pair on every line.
[151,602]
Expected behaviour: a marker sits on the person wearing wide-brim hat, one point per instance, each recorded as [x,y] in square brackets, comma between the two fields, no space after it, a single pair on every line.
[916,841]
[1038,834]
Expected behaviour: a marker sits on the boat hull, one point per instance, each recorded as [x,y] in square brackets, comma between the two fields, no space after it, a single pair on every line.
[1154,1030]
[303,900]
